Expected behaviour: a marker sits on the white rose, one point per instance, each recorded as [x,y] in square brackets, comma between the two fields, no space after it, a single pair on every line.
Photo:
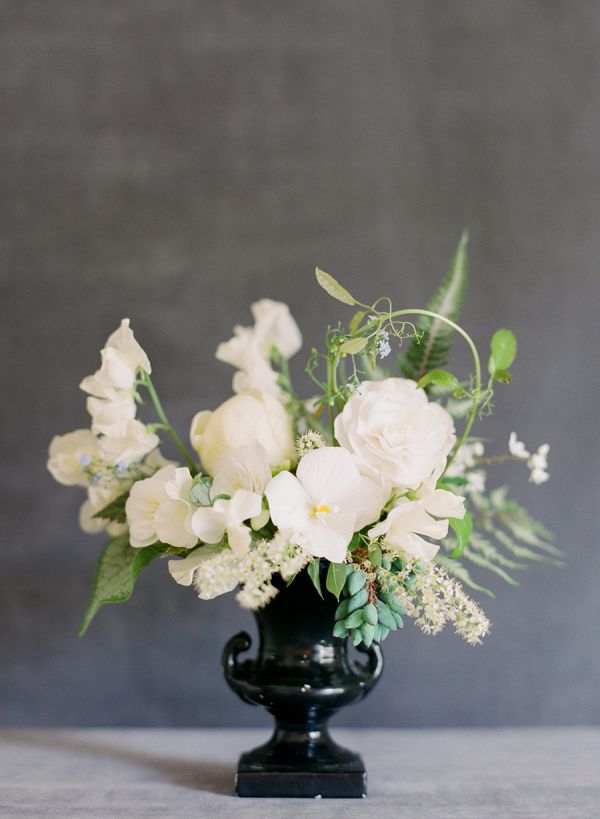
[69,455]
[391,426]
[247,418]
[275,327]
[133,443]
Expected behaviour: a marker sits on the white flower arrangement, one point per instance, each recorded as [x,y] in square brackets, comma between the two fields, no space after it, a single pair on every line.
[370,475]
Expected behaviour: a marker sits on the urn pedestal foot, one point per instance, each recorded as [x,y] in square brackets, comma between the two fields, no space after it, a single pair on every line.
[301,763]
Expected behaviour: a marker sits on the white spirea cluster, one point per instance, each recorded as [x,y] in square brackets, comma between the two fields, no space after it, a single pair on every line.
[223,571]
[433,599]
[537,463]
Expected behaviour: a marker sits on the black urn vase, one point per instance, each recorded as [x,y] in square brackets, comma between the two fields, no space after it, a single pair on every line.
[302,675]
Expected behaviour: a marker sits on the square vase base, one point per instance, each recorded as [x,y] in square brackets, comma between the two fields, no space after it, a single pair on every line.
[348,782]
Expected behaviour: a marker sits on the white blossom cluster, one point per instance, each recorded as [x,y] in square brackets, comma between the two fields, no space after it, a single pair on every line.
[223,571]
[432,599]
[118,448]
[537,462]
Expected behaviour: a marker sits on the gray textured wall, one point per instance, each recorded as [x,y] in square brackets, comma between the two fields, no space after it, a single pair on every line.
[172,161]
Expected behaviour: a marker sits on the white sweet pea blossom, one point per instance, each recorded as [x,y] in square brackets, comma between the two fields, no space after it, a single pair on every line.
[183,571]
[246,467]
[110,417]
[226,517]
[391,426]
[99,496]
[413,517]
[325,502]
[253,417]
[121,356]
[538,464]
[516,447]
[70,454]
[245,352]
[134,442]
[157,509]
[275,327]
[249,350]
[403,526]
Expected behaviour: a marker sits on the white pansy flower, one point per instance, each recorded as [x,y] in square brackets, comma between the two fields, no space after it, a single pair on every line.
[134,442]
[253,417]
[516,447]
[110,417]
[226,517]
[325,502]
[391,426]
[403,526]
[70,454]
[275,327]
[157,509]
[538,464]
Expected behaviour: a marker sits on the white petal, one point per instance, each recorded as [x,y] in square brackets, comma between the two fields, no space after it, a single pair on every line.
[444,504]
[208,524]
[288,502]
[242,506]
[328,473]
[239,538]
[182,571]
[172,520]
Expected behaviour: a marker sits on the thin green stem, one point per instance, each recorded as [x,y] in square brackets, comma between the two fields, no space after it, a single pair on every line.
[147,382]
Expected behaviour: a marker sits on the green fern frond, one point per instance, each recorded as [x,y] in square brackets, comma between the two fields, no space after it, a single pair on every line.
[484,563]
[487,549]
[432,349]
[460,572]
[522,552]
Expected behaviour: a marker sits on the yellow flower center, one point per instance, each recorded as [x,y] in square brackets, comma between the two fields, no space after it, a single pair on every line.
[317,509]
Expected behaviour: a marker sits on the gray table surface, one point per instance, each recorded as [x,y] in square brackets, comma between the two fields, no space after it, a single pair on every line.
[475,773]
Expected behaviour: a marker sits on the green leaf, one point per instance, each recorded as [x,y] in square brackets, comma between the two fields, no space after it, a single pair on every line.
[440,377]
[199,492]
[503,376]
[333,287]
[503,348]
[115,510]
[451,480]
[356,320]
[353,346]
[314,572]
[462,529]
[353,545]
[432,350]
[375,556]
[336,578]
[116,573]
